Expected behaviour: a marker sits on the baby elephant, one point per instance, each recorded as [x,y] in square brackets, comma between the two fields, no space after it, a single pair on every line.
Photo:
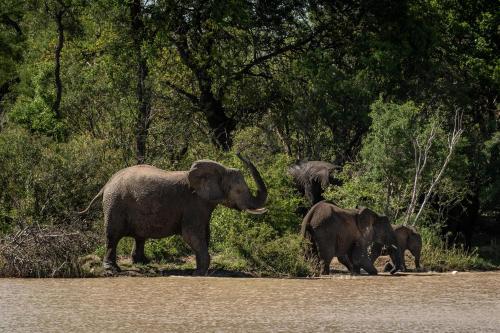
[334,231]
[408,239]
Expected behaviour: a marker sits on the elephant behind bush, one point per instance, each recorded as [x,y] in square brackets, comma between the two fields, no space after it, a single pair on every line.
[311,178]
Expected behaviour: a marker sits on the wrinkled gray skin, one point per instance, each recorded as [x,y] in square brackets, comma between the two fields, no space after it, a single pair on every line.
[383,235]
[311,178]
[146,202]
[408,239]
[338,232]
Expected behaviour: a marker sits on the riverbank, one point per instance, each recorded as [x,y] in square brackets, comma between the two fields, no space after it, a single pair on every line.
[92,266]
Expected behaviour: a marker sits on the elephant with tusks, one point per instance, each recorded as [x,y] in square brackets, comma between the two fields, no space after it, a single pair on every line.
[145,202]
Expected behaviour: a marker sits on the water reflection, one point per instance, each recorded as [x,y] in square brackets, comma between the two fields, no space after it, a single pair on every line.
[444,302]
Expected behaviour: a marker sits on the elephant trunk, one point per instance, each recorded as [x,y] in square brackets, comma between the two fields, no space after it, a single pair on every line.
[259,200]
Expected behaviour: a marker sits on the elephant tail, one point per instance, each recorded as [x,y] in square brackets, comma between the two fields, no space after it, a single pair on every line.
[308,234]
[92,202]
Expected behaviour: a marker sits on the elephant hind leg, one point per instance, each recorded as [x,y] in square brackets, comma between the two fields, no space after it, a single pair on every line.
[115,223]
[414,245]
[109,262]
[138,256]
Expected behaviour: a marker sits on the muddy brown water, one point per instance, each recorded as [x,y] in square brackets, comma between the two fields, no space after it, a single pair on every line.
[463,302]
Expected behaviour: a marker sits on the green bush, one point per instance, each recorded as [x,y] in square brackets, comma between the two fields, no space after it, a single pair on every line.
[257,247]
[46,182]
[438,256]
[356,189]
[166,249]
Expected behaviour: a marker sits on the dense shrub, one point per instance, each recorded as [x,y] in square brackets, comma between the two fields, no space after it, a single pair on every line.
[46,182]
[437,255]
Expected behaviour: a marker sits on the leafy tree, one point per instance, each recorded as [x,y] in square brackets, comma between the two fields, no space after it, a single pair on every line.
[223,44]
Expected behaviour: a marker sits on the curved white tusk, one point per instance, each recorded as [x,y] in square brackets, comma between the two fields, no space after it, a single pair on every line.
[257,211]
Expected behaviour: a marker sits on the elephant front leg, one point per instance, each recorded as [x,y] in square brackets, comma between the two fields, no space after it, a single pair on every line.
[344,260]
[360,259]
[325,263]
[138,256]
[202,262]
[199,244]
[375,251]
[417,261]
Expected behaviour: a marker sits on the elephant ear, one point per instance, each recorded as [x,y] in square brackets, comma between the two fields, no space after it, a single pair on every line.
[383,230]
[365,219]
[205,178]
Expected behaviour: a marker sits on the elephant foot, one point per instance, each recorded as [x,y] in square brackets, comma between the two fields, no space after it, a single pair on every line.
[370,270]
[388,267]
[111,267]
[356,271]
[200,272]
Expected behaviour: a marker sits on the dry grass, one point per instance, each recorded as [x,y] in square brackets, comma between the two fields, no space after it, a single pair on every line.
[45,251]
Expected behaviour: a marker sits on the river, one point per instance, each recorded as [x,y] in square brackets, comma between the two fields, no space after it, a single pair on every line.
[462,302]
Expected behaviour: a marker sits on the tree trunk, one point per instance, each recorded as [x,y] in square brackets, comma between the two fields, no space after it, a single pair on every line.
[221,125]
[142,89]
[57,70]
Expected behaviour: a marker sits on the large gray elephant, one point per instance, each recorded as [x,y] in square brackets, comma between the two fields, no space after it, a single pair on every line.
[146,202]
[338,232]
[383,236]
[311,178]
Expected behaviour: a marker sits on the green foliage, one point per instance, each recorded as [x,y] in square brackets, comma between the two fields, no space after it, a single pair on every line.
[34,111]
[46,182]
[260,247]
[11,40]
[267,244]
[491,152]
[357,189]
[403,137]
[387,150]
[439,256]
[165,250]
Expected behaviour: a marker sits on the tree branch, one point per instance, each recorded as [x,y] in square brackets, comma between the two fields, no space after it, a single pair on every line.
[419,167]
[10,22]
[453,139]
[259,60]
[183,92]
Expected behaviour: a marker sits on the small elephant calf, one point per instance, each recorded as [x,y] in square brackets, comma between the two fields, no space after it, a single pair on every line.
[408,239]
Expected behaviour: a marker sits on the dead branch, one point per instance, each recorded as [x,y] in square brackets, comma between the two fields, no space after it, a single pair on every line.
[453,140]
